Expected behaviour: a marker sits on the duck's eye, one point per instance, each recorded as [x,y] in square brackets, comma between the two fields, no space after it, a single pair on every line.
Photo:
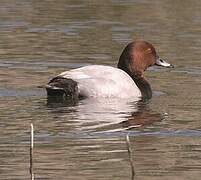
[149,50]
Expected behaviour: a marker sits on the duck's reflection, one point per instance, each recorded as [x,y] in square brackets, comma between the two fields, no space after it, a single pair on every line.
[59,101]
[106,114]
[144,117]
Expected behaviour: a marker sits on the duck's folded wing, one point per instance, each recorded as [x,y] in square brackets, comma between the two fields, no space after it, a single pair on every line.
[103,81]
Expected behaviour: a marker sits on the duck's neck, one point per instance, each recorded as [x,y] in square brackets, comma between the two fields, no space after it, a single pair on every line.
[141,83]
[144,86]
[124,64]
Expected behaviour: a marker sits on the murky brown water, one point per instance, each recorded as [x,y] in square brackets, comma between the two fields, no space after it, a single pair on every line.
[39,39]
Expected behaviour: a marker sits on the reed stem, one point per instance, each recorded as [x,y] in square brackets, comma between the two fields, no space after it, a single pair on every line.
[31,151]
[130,155]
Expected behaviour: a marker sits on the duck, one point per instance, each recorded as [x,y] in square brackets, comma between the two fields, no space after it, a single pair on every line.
[100,81]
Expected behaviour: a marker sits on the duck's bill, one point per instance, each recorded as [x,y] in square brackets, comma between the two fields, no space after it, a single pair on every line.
[160,62]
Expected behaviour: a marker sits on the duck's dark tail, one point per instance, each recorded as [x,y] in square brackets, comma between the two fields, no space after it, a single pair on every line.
[63,89]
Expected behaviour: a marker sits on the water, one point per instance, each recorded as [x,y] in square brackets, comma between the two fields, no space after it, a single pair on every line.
[39,39]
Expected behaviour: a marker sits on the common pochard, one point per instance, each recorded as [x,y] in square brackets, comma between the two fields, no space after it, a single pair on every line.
[125,81]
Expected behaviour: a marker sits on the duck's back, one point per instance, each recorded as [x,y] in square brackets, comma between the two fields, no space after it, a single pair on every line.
[103,81]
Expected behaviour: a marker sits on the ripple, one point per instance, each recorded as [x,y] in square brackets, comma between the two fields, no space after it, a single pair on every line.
[40,65]
[20,93]
[189,70]
[136,133]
